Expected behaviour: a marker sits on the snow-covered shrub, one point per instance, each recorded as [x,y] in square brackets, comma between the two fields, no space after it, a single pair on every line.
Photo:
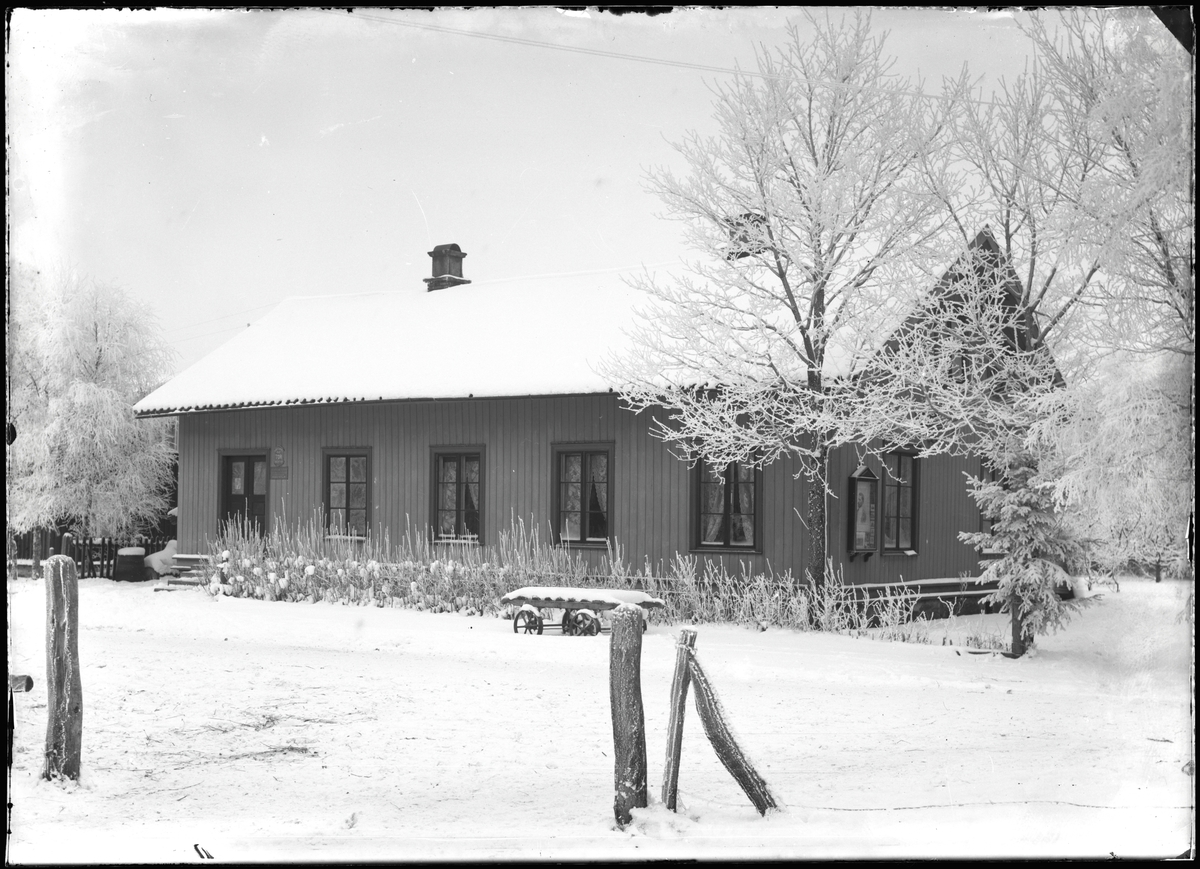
[892,615]
[1035,542]
[417,573]
[835,606]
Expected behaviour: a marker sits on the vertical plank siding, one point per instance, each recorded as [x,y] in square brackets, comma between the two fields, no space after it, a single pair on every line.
[649,494]
[943,508]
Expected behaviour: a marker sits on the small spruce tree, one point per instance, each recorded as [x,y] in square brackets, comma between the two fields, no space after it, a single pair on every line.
[1035,546]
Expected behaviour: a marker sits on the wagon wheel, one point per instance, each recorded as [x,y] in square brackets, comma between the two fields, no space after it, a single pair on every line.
[568,623]
[586,625]
[527,623]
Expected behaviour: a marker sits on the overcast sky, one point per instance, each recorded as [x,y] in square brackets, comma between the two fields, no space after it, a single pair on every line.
[214,163]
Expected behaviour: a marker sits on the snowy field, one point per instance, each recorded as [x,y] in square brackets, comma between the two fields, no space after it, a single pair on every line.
[290,732]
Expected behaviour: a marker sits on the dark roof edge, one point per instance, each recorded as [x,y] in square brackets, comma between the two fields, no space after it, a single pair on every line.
[324,402]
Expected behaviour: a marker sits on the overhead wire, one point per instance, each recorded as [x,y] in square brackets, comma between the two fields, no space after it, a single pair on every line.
[639,58]
[208,334]
[594,52]
[537,43]
[1040,133]
[222,317]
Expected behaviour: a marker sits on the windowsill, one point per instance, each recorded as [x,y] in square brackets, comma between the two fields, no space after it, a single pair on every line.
[583,544]
[456,541]
[898,553]
[352,537]
[725,550]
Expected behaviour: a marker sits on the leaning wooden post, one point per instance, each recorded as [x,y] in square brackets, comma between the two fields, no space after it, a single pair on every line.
[628,717]
[679,691]
[64,690]
[715,726]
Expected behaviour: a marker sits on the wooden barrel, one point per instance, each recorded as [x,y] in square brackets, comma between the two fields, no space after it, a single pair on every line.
[130,565]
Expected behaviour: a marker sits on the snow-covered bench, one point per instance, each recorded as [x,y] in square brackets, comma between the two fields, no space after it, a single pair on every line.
[932,598]
[581,607]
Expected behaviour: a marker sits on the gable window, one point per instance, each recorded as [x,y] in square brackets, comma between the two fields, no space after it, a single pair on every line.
[582,493]
[727,503]
[347,492]
[458,495]
[899,502]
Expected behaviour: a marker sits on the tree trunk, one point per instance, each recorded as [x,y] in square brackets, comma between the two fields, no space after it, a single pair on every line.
[64,690]
[817,532]
[818,483]
[628,717]
[1018,638]
[679,692]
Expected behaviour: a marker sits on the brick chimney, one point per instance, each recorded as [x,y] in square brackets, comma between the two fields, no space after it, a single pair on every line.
[447,267]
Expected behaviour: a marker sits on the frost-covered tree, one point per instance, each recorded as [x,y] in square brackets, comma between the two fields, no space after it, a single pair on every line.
[1134,84]
[969,374]
[811,227]
[81,353]
[993,340]
[1077,167]
[1118,449]
[1125,438]
[1032,542]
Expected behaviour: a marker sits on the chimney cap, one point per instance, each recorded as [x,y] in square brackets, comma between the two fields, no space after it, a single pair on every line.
[447,267]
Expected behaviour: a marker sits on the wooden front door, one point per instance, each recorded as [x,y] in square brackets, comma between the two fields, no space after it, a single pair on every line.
[244,490]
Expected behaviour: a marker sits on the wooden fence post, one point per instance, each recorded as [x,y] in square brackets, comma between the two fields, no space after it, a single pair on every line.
[715,726]
[679,691]
[64,690]
[10,545]
[628,716]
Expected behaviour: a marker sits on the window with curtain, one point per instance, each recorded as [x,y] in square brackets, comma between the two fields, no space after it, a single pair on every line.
[582,492]
[347,480]
[457,496]
[899,501]
[727,502]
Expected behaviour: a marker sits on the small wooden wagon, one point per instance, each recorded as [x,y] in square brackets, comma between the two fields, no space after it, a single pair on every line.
[581,608]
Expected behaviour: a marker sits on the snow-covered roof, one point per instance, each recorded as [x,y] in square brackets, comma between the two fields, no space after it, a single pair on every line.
[537,336]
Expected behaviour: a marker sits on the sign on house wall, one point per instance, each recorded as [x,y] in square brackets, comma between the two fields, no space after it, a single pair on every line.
[279,469]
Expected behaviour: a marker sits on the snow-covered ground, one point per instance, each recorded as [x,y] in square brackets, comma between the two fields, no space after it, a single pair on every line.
[280,731]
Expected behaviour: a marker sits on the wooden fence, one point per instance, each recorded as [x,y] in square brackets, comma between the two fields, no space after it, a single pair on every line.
[95,557]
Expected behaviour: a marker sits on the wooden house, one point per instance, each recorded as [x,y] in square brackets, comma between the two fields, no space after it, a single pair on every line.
[458,408]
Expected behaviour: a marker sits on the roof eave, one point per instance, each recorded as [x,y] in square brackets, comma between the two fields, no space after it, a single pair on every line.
[323,402]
